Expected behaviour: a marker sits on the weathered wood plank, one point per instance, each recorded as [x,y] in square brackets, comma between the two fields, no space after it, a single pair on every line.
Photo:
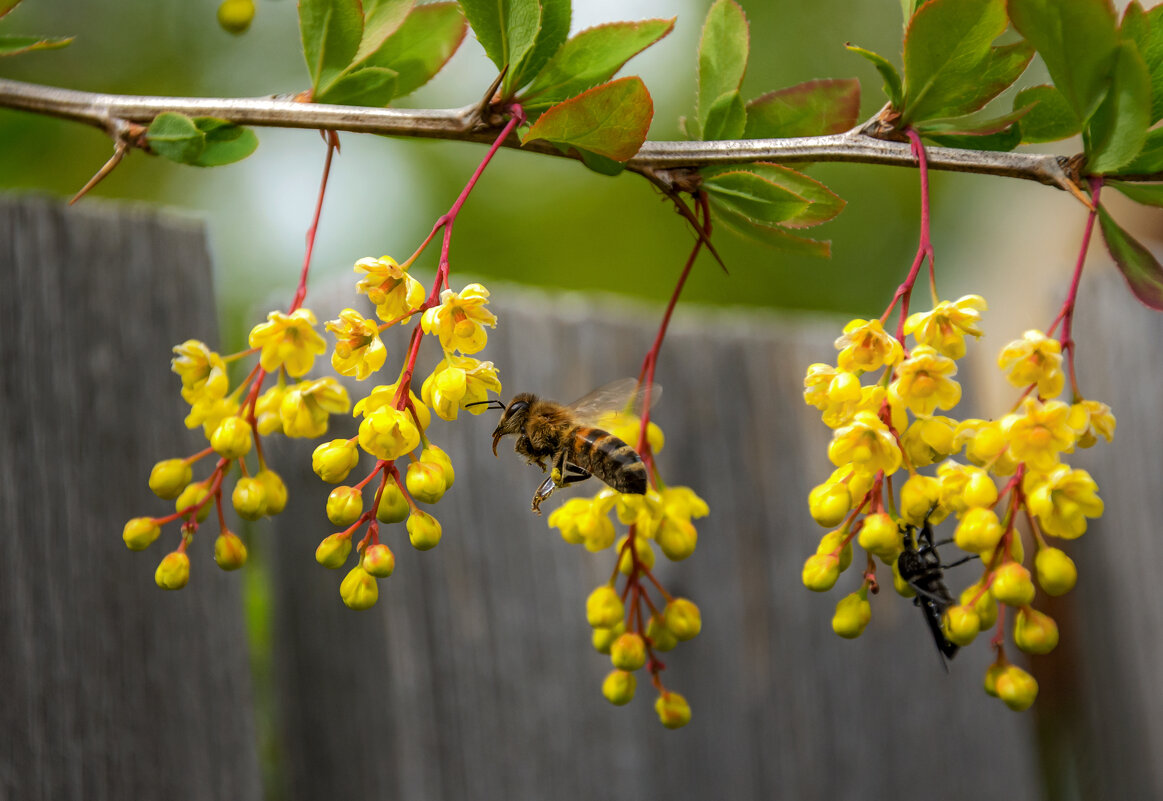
[113,689]
[473,676]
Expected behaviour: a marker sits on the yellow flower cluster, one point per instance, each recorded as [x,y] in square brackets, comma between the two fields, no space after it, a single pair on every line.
[660,519]
[891,425]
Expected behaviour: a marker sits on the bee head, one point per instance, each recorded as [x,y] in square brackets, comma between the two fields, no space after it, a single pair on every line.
[513,420]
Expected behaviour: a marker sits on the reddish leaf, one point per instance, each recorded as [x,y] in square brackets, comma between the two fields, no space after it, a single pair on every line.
[611,120]
[814,108]
[1137,264]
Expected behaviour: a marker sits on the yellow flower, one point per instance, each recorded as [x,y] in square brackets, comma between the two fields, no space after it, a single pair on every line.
[924,383]
[944,328]
[306,405]
[460,319]
[389,287]
[1099,421]
[985,444]
[288,340]
[586,521]
[866,346]
[458,381]
[202,371]
[208,412]
[1034,359]
[929,439]
[266,409]
[1062,500]
[388,433]
[867,444]
[385,396]
[627,427]
[359,351]
[1038,433]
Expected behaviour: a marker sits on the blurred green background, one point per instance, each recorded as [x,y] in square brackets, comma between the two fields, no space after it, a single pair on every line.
[532,219]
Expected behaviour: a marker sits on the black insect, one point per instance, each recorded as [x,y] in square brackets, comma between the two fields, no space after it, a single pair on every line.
[920,566]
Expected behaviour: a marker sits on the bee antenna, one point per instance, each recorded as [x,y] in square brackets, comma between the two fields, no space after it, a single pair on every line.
[490,402]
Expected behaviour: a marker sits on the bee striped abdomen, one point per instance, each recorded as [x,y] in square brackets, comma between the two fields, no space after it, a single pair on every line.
[602,454]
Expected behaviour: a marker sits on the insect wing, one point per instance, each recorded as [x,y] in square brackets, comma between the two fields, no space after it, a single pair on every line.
[623,396]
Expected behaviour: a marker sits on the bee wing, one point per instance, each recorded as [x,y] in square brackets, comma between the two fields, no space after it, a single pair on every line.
[624,395]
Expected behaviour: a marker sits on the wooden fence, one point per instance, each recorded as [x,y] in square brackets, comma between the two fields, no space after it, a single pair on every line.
[473,677]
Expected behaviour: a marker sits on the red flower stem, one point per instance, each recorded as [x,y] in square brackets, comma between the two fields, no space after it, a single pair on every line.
[301,293]
[1067,313]
[379,466]
[924,247]
[646,374]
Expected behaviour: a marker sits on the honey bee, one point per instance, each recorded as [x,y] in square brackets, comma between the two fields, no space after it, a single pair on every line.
[565,435]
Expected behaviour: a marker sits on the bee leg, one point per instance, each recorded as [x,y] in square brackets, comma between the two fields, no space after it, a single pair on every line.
[544,491]
[572,474]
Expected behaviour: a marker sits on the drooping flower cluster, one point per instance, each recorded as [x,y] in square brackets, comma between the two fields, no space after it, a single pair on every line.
[629,625]
[884,403]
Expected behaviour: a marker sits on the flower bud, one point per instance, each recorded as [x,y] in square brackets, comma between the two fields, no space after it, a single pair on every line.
[821,571]
[173,572]
[979,531]
[683,618]
[852,615]
[276,490]
[433,454]
[960,624]
[602,639]
[333,551]
[344,506]
[235,16]
[661,638]
[229,552]
[1056,571]
[829,503]
[992,675]
[985,606]
[333,460]
[619,687]
[980,489]
[642,550]
[628,652]
[1012,585]
[423,530]
[919,494]
[140,532]
[902,587]
[425,481]
[1034,632]
[832,541]
[1016,687]
[673,710]
[358,589]
[378,560]
[193,495]
[169,477]
[880,536]
[249,498]
[676,538]
[393,506]
[232,438]
[604,607]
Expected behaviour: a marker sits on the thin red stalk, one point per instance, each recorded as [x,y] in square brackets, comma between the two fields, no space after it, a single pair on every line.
[301,293]
[924,247]
[1067,313]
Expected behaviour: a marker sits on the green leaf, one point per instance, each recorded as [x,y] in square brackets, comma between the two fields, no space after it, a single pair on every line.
[1051,117]
[723,51]
[175,137]
[1147,194]
[773,236]
[555,16]
[225,142]
[1078,41]
[1143,273]
[1151,49]
[1150,158]
[366,86]
[381,18]
[331,32]
[7,5]
[600,164]
[1118,129]
[421,46]
[592,57]
[823,204]
[15,45]
[814,108]
[754,196]
[947,54]
[973,126]
[892,78]
[1001,141]
[507,29]
[611,120]
[726,118]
